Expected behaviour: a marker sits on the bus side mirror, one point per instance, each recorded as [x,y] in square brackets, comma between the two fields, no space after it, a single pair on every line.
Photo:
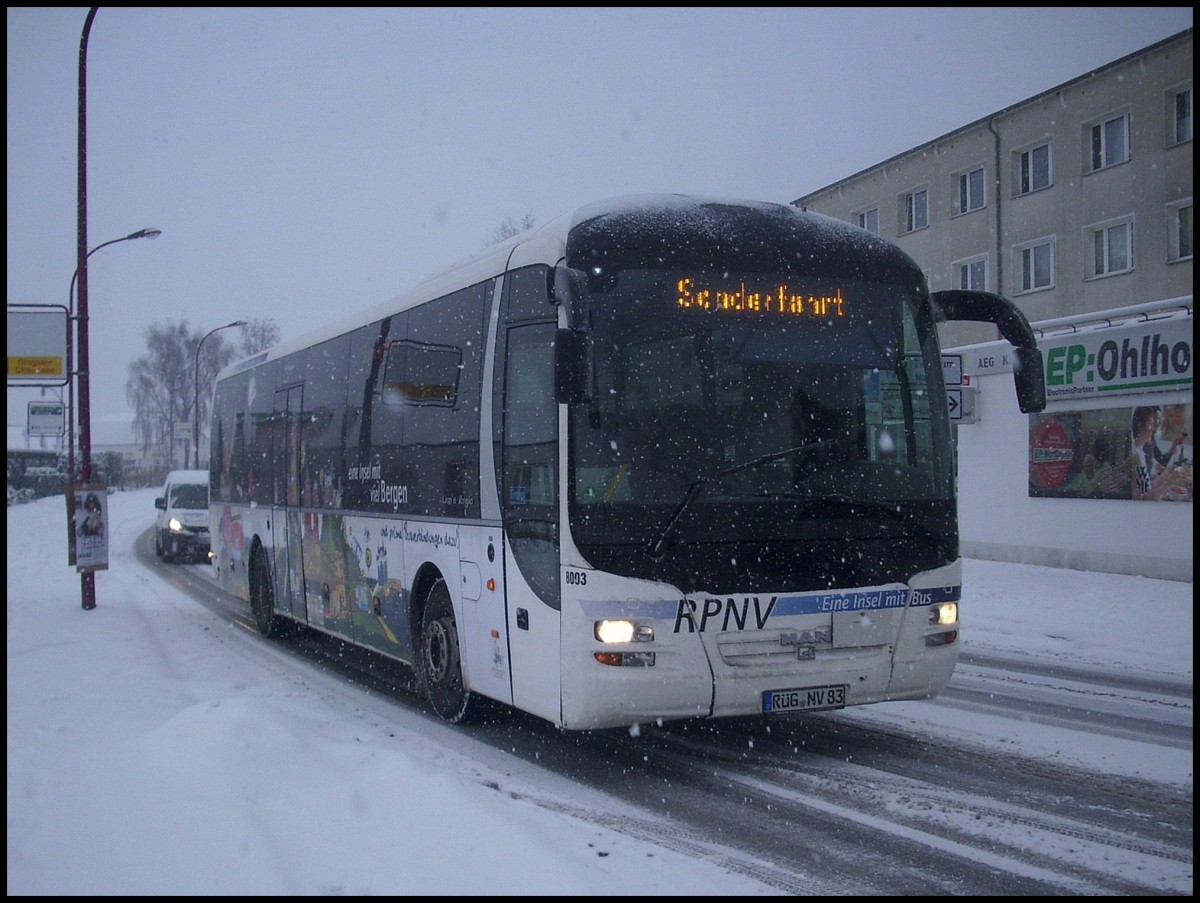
[571,367]
[1029,377]
[568,288]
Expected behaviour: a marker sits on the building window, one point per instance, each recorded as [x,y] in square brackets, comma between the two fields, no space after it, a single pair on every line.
[971,275]
[1179,115]
[916,210]
[971,190]
[1112,248]
[1034,167]
[1179,220]
[1109,142]
[868,219]
[1035,262]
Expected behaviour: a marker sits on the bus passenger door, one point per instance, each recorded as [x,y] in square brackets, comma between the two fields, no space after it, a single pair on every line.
[529,505]
[285,516]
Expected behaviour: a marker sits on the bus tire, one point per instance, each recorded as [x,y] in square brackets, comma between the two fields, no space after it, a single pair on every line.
[441,659]
[262,600]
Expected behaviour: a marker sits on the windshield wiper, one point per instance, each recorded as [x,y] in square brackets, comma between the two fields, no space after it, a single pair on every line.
[693,490]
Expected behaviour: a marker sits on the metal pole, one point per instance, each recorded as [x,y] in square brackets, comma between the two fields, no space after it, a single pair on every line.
[87,579]
[196,405]
[196,388]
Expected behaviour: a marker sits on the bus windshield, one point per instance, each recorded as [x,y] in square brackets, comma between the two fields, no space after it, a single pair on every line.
[751,408]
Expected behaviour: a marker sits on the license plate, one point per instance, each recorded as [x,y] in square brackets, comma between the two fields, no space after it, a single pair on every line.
[805,699]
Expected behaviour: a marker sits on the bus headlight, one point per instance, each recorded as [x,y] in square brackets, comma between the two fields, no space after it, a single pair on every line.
[943,613]
[623,632]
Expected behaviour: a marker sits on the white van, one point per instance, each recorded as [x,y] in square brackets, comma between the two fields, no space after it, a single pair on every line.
[182,529]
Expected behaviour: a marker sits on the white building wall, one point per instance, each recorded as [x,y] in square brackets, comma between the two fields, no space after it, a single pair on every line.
[1000,521]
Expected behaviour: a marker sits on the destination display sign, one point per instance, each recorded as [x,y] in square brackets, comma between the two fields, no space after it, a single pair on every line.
[772,297]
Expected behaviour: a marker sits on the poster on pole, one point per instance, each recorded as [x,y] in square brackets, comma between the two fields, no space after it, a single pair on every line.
[87,509]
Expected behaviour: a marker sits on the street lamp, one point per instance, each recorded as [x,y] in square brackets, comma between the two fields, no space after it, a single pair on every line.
[140,233]
[196,400]
[87,577]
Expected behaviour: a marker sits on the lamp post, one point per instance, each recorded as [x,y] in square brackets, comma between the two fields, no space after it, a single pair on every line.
[140,233]
[87,577]
[196,400]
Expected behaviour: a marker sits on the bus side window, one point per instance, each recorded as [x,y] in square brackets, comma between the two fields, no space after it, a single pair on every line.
[531,426]
[530,458]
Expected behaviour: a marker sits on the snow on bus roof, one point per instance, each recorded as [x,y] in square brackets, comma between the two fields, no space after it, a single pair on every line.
[544,244]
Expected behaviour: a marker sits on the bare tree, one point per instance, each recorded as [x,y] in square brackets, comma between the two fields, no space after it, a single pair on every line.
[509,228]
[258,335]
[163,385]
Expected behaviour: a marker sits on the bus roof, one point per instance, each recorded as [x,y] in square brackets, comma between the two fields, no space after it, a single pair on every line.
[639,214]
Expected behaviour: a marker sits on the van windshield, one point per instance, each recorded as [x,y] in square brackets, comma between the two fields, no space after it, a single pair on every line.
[189,495]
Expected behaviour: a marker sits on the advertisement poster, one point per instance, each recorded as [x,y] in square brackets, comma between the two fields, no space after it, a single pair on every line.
[88,511]
[1138,452]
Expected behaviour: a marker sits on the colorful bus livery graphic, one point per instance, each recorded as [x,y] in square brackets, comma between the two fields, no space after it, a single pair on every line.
[1155,356]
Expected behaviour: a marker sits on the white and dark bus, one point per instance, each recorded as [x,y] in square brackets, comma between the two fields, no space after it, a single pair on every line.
[662,458]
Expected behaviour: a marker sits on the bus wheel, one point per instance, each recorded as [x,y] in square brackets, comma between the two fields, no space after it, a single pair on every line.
[270,625]
[441,659]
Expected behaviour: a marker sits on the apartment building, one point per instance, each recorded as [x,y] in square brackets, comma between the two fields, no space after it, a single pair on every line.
[1075,201]
[1077,205]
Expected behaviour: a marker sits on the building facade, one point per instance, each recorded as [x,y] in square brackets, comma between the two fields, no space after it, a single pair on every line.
[1074,201]
[1077,205]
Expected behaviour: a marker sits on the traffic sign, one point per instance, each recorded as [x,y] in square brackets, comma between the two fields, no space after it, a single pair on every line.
[961,401]
[46,418]
[37,345]
[952,369]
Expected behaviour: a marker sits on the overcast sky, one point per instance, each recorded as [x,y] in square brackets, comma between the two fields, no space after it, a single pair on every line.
[302,163]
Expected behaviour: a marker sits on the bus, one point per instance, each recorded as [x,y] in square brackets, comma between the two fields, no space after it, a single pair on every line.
[665,457]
